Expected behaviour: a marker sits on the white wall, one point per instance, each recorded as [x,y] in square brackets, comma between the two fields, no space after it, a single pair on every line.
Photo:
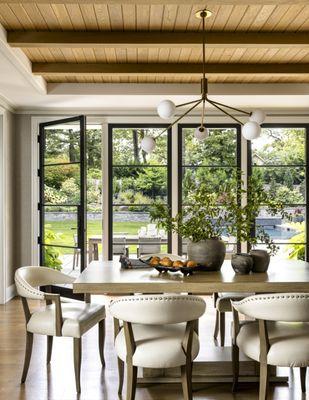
[7,206]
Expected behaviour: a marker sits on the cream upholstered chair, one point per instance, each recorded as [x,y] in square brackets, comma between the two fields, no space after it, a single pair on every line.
[222,304]
[59,317]
[158,332]
[279,336]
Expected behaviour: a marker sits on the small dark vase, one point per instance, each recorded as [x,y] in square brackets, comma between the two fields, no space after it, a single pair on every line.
[261,260]
[242,263]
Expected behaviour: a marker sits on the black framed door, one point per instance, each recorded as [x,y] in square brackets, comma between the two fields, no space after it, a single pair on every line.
[62,197]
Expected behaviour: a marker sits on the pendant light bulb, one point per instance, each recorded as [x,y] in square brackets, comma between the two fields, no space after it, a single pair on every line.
[166,109]
[148,144]
[251,130]
[258,116]
[201,133]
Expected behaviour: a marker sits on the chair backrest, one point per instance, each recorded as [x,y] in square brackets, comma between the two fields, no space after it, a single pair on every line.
[119,245]
[286,307]
[28,279]
[149,245]
[158,309]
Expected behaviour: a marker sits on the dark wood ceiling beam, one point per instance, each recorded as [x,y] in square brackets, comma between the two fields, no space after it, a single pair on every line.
[165,69]
[155,39]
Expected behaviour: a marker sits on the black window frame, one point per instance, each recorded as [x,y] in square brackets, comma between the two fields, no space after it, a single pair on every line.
[181,166]
[111,127]
[81,208]
[306,166]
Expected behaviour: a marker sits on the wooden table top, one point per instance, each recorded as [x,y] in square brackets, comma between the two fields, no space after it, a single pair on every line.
[107,277]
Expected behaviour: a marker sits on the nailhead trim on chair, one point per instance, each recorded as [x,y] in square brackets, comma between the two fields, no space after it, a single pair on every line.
[31,291]
[271,297]
[138,298]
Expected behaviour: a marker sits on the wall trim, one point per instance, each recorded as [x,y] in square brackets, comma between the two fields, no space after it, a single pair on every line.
[11,292]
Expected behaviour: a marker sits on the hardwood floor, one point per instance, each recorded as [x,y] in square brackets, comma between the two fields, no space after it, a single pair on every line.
[56,382]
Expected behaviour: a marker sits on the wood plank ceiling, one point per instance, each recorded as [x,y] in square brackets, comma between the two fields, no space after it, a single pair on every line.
[241,18]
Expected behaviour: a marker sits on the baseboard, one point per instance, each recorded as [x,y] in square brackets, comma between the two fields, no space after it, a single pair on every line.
[10,293]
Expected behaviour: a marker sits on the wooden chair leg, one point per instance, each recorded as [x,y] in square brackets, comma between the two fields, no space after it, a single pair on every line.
[101,327]
[216,330]
[263,381]
[49,348]
[131,381]
[222,328]
[120,374]
[186,381]
[303,371]
[28,352]
[235,365]
[77,361]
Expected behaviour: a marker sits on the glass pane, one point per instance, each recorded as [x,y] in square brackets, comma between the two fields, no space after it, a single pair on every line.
[94,188]
[132,227]
[285,184]
[62,259]
[139,185]
[127,146]
[62,143]
[214,178]
[218,149]
[287,230]
[60,226]
[281,146]
[62,184]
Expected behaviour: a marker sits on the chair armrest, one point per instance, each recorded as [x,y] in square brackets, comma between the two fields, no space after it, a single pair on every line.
[236,325]
[55,298]
[130,342]
[188,338]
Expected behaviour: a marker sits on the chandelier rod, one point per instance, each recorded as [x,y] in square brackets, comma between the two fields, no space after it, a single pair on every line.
[231,108]
[204,40]
[178,119]
[225,112]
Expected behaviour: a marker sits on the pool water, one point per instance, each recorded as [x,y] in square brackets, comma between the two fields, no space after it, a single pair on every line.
[278,233]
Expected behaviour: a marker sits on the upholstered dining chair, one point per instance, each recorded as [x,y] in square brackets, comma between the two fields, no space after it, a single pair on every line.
[222,305]
[279,335]
[59,317]
[158,332]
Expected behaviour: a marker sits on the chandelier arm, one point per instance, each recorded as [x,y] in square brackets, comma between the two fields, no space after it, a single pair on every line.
[231,108]
[186,104]
[178,119]
[225,112]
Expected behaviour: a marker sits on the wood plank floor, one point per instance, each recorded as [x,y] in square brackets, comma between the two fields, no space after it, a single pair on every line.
[56,382]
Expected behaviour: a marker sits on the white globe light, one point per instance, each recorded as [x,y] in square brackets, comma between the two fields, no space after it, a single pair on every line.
[166,109]
[201,133]
[148,144]
[251,130]
[258,116]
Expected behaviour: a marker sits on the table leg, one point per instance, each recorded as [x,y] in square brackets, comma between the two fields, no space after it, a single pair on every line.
[95,251]
[90,249]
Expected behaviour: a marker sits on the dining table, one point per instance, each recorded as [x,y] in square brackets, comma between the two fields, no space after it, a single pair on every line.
[108,278]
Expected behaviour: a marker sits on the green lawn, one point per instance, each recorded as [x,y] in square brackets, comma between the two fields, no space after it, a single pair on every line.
[63,230]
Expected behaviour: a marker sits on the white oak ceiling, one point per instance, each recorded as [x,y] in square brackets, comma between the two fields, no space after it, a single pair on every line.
[54,60]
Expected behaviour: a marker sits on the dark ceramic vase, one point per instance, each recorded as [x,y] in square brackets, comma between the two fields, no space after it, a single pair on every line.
[242,263]
[261,260]
[210,252]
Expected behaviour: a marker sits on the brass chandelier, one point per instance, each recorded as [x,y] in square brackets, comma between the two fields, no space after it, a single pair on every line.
[167,109]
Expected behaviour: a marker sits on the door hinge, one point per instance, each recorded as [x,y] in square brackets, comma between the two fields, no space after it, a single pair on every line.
[39,138]
[39,173]
[39,207]
[39,240]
